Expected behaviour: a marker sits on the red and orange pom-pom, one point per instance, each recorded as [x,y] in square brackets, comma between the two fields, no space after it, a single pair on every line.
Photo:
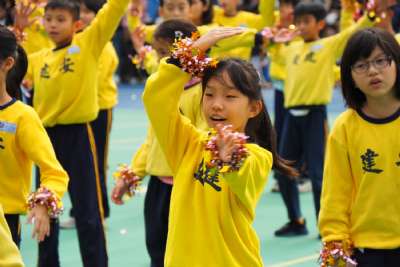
[192,60]
[131,180]
[47,198]
[19,34]
[237,158]
[336,254]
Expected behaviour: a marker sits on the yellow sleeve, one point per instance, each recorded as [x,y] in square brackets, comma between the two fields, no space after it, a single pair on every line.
[34,141]
[9,253]
[102,28]
[245,39]
[173,131]
[151,62]
[267,9]
[339,40]
[346,19]
[337,189]
[251,177]
[139,160]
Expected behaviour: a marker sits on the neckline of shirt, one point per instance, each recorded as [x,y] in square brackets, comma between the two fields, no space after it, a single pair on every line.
[12,101]
[388,119]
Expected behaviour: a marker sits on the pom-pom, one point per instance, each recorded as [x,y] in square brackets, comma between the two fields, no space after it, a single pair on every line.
[336,254]
[47,198]
[131,180]
[192,60]
[237,158]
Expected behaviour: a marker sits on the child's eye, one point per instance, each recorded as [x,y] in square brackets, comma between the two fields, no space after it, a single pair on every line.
[208,94]
[231,96]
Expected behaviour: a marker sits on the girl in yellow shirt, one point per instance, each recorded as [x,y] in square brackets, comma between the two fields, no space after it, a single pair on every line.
[360,205]
[218,179]
[23,140]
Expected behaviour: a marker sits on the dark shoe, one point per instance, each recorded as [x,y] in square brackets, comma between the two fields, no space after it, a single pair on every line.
[292,228]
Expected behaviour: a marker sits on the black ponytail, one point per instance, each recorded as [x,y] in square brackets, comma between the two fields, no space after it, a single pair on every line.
[10,48]
[17,74]
[259,129]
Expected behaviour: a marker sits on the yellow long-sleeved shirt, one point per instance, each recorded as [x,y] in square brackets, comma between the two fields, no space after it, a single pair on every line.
[150,159]
[66,79]
[23,140]
[108,63]
[397,36]
[224,205]
[360,195]
[9,254]
[247,20]
[318,57]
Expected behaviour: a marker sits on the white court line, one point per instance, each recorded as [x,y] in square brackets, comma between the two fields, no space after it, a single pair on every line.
[296,261]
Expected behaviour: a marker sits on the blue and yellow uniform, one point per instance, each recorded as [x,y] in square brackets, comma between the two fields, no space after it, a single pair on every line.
[66,98]
[108,98]
[360,200]
[150,160]
[305,127]
[24,141]
[225,206]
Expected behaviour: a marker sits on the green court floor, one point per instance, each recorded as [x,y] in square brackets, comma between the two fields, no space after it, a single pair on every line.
[125,228]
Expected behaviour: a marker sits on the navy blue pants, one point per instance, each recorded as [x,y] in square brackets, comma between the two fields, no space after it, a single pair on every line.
[303,141]
[280,113]
[378,257]
[156,214]
[15,227]
[101,130]
[75,149]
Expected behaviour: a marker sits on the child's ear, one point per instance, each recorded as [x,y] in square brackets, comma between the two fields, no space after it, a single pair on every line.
[255,108]
[7,64]
[161,12]
[321,24]
[78,25]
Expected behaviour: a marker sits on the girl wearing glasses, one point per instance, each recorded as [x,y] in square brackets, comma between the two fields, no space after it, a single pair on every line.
[360,205]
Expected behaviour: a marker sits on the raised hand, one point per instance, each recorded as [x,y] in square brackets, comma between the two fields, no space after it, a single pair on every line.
[135,8]
[212,37]
[138,38]
[22,15]
[227,142]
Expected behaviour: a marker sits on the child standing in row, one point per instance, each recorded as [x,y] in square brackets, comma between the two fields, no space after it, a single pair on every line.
[23,140]
[66,98]
[108,98]
[360,207]
[150,159]
[305,126]
[218,179]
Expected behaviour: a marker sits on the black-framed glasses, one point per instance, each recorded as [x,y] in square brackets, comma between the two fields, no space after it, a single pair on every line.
[379,64]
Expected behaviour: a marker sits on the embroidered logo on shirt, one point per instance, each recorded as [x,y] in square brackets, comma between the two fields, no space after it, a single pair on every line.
[44,71]
[67,65]
[368,161]
[398,162]
[207,175]
[1,143]
[8,127]
[310,57]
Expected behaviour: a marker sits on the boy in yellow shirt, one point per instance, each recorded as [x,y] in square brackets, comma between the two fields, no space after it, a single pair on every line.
[304,130]
[108,98]
[66,98]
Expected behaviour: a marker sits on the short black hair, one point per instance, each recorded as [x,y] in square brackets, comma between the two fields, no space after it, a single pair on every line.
[169,29]
[317,10]
[72,6]
[93,5]
[208,15]
[360,46]
[289,2]
[162,2]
